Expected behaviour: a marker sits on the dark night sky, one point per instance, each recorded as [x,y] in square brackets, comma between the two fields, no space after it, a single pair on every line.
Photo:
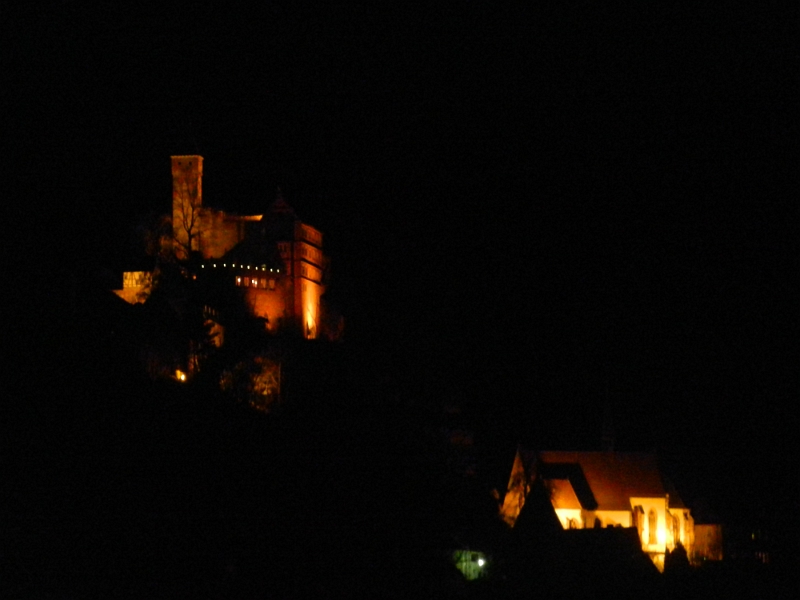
[533,209]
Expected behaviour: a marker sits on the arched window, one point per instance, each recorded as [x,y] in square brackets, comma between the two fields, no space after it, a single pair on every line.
[652,525]
[638,520]
[676,530]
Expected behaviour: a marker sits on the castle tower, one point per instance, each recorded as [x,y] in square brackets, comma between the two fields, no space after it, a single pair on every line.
[300,247]
[308,264]
[187,204]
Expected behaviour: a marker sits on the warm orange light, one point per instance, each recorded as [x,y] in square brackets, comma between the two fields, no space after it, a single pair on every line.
[180,375]
[661,535]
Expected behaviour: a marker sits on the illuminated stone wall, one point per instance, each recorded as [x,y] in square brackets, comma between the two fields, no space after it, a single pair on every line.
[269,298]
[220,233]
[654,530]
[308,265]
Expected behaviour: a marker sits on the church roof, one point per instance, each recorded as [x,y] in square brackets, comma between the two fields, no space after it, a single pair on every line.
[563,494]
[613,477]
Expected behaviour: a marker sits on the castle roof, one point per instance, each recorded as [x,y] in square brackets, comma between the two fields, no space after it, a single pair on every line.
[255,250]
[278,222]
[280,207]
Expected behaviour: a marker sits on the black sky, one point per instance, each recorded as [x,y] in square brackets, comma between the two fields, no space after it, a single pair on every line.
[532,210]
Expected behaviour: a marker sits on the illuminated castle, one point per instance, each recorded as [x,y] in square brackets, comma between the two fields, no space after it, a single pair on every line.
[275,257]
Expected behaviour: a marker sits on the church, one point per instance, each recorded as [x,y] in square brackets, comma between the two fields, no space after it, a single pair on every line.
[275,258]
[595,490]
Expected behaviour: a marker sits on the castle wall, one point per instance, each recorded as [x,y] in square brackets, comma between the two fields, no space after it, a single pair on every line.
[268,304]
[310,293]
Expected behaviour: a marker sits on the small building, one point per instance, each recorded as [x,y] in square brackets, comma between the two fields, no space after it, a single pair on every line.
[707,542]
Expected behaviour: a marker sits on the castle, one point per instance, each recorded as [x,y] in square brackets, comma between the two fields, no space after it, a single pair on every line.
[274,257]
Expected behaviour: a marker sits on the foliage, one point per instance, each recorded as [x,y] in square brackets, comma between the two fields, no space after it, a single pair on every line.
[255,380]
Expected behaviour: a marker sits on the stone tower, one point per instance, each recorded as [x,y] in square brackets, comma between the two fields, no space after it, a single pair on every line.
[187,203]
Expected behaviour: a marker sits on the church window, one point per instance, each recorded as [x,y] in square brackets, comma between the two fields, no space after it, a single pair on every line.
[652,525]
[638,519]
[676,529]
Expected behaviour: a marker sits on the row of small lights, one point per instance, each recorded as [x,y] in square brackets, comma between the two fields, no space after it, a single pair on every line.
[243,267]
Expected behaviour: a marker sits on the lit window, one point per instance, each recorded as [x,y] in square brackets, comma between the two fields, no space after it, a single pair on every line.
[652,522]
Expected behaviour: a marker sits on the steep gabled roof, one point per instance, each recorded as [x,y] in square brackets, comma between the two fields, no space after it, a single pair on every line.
[612,477]
[675,500]
[562,494]
[566,480]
